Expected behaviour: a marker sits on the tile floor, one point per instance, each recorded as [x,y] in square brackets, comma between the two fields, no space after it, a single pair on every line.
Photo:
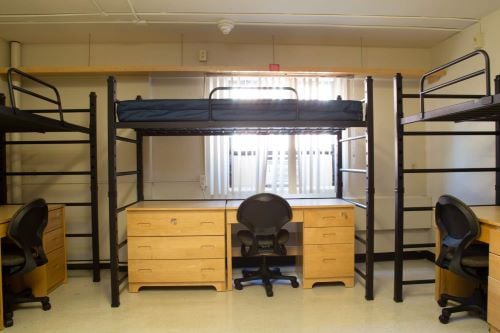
[83,306]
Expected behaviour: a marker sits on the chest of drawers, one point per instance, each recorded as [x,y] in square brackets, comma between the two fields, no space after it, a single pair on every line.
[46,278]
[494,282]
[328,253]
[173,246]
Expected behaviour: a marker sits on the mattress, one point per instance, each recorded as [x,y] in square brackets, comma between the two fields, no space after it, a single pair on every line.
[237,110]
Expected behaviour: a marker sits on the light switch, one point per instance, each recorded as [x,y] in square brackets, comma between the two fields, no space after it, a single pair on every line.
[203,55]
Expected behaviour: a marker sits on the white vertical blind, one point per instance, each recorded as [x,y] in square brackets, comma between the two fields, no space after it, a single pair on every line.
[256,163]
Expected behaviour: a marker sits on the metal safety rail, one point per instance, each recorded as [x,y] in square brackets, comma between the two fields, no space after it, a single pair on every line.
[464,112]
[39,126]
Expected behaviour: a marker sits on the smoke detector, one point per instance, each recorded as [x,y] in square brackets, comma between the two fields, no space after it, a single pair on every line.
[225,26]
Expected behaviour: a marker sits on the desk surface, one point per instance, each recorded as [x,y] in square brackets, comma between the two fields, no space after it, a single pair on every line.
[6,211]
[178,205]
[488,214]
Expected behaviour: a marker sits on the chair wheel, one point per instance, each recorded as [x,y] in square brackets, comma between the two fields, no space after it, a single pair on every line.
[295,284]
[8,322]
[46,305]
[238,285]
[269,290]
[442,302]
[444,319]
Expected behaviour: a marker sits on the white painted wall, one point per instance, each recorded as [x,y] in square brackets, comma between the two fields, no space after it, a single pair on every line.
[173,164]
[477,188]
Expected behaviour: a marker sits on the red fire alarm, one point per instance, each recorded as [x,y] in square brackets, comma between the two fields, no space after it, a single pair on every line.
[274,67]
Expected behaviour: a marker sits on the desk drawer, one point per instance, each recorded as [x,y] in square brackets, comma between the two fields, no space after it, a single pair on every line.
[324,261]
[55,219]
[495,241]
[328,235]
[494,302]
[53,240]
[193,247]
[56,267]
[178,223]
[494,266]
[328,217]
[172,271]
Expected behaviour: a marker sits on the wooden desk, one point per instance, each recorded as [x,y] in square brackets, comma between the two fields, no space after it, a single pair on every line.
[450,283]
[47,277]
[327,254]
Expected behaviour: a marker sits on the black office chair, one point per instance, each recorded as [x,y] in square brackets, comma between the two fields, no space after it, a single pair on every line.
[458,228]
[264,215]
[22,253]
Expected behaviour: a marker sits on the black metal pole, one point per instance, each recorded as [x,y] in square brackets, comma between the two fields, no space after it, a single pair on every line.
[370,189]
[340,179]
[3,161]
[94,187]
[112,194]
[399,190]
[497,148]
[139,161]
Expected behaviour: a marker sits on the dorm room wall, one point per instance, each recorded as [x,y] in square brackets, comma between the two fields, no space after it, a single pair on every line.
[457,151]
[4,61]
[173,164]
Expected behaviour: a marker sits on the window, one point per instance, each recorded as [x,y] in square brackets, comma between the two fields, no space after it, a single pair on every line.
[239,165]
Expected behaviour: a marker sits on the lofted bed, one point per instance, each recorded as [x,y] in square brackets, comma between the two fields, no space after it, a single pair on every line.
[478,107]
[16,120]
[214,116]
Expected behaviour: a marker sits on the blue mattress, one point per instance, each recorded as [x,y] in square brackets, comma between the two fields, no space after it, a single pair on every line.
[237,110]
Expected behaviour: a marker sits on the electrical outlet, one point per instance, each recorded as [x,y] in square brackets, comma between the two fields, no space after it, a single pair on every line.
[203,181]
[203,55]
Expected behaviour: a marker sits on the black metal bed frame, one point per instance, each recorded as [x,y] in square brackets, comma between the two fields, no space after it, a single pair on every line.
[483,108]
[43,124]
[212,127]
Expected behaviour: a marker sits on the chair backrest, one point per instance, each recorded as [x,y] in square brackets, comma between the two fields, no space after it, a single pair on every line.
[26,231]
[264,213]
[458,227]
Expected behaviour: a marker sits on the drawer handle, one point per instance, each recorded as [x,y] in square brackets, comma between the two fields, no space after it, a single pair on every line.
[330,234]
[344,215]
[206,222]
[144,247]
[206,246]
[329,217]
[208,269]
[144,224]
[173,221]
[325,260]
[149,270]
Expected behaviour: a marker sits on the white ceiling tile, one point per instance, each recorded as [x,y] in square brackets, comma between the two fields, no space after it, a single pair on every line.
[40,7]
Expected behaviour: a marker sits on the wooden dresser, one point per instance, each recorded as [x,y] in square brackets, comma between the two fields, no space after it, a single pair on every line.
[494,282]
[328,246]
[46,278]
[176,243]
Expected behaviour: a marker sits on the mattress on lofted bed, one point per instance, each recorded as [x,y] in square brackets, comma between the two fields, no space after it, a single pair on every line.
[237,110]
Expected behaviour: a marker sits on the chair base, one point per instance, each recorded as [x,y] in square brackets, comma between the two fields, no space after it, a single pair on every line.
[25,296]
[265,274]
[476,302]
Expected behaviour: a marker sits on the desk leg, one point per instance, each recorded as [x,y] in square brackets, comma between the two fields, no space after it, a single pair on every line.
[229,257]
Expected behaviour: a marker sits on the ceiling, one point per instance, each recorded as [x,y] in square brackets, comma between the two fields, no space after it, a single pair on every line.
[387,23]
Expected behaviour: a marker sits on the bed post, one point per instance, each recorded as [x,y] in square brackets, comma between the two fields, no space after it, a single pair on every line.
[3,161]
[399,190]
[112,193]
[340,179]
[497,148]
[94,187]
[139,162]
[370,189]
